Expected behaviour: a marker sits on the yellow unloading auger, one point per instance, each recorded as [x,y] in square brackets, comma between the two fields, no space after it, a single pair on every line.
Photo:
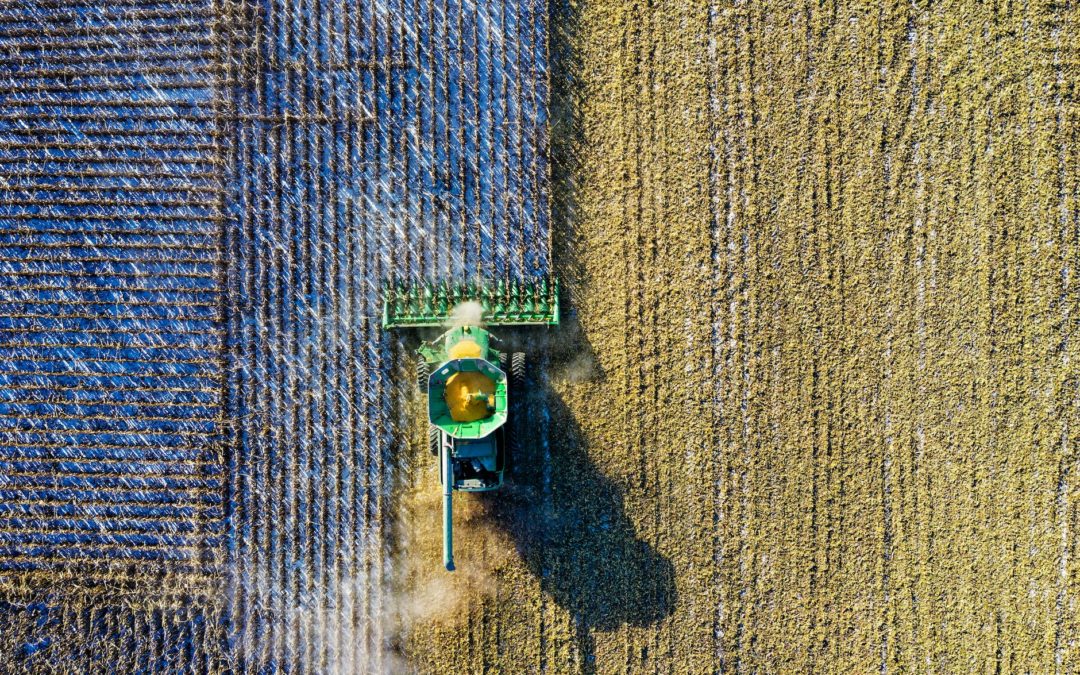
[468,382]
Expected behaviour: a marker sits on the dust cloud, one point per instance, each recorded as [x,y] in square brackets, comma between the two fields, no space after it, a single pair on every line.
[469,313]
[422,592]
[582,367]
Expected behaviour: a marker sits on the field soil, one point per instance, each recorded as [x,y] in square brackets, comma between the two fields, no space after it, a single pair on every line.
[814,407]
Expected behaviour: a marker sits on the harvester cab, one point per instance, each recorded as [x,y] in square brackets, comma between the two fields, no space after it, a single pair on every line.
[468,381]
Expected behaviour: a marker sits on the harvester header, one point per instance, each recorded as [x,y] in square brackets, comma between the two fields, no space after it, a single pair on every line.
[428,304]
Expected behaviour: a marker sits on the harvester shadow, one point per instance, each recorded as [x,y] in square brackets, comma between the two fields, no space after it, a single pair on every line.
[568,521]
[565,516]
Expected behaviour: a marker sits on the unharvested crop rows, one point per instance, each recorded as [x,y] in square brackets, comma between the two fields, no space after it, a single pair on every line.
[327,148]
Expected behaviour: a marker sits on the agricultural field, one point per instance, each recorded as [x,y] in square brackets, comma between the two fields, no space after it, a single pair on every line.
[813,405]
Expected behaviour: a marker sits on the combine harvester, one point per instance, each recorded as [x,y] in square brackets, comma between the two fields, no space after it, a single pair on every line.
[469,383]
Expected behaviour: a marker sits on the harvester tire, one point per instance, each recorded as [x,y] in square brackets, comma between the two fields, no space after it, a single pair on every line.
[422,372]
[433,439]
[517,371]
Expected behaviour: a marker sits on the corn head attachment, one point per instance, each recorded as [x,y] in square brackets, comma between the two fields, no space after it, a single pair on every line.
[504,303]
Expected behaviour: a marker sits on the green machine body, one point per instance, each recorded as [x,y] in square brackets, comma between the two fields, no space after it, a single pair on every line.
[473,449]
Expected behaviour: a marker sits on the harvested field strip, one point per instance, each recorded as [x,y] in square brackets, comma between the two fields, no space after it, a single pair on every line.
[869,462]
[897,259]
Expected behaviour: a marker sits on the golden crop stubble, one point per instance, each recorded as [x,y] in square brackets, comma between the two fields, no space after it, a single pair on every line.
[872,461]
[976,468]
[1066,95]
[642,240]
[911,319]
[800,572]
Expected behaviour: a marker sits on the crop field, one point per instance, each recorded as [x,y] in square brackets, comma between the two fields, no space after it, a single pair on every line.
[814,405]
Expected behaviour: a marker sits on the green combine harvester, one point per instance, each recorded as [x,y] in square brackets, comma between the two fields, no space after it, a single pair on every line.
[468,381]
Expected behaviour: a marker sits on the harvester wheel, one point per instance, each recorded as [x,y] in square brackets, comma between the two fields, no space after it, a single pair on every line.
[517,371]
[422,372]
[433,439]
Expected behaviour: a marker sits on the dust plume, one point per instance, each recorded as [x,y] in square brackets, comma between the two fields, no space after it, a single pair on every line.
[470,313]
[422,591]
[582,367]
[331,629]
